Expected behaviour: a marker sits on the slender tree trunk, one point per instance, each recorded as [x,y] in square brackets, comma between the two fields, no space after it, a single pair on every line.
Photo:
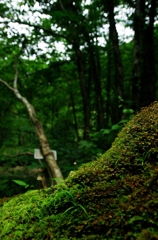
[73,109]
[144,73]
[74,114]
[44,145]
[148,80]
[74,40]
[84,91]
[116,50]
[108,84]
[117,60]
[139,25]
[95,73]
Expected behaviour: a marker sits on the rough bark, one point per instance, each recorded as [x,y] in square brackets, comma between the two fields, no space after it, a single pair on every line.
[44,145]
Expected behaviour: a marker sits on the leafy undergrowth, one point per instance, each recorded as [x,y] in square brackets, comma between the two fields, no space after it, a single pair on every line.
[114,197]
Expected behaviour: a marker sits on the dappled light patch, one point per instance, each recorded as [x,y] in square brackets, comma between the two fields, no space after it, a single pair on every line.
[113,197]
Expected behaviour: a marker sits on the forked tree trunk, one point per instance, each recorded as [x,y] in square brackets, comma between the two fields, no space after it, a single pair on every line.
[44,145]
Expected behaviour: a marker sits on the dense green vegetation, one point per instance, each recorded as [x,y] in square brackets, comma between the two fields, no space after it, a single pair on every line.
[76,101]
[114,197]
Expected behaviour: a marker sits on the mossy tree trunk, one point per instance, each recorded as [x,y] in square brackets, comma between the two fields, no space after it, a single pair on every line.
[44,145]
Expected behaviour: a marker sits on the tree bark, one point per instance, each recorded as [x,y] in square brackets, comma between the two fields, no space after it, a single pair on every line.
[144,73]
[108,84]
[73,107]
[84,91]
[139,24]
[113,35]
[148,80]
[95,75]
[44,145]
[116,50]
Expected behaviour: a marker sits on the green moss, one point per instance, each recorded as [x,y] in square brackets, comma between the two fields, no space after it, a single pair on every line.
[114,197]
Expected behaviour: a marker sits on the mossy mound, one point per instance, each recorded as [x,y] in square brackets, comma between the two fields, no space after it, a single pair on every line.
[114,197]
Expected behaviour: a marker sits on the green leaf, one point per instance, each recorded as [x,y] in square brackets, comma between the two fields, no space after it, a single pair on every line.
[85,144]
[115,127]
[105,131]
[71,196]
[21,183]
[135,218]
[68,209]
[128,111]
[123,121]
[79,205]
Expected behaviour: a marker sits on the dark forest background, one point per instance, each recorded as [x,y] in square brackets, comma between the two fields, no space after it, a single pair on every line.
[84,96]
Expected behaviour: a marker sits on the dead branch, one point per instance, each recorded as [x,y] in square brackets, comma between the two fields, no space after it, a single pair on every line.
[7,85]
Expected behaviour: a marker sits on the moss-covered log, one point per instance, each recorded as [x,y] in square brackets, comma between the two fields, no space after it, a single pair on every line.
[114,197]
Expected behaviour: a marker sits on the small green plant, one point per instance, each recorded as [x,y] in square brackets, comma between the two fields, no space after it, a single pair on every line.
[144,156]
[75,204]
[22,183]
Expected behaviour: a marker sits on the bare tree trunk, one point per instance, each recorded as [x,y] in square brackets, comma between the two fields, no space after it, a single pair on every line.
[108,85]
[119,84]
[73,107]
[44,145]
[74,114]
[148,80]
[139,24]
[94,62]
[144,72]
[116,51]
[84,91]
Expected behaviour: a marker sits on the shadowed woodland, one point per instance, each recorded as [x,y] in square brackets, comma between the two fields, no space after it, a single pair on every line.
[72,76]
[81,97]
